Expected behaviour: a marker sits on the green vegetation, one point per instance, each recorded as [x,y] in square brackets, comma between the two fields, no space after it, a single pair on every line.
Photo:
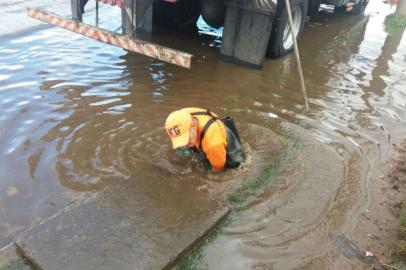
[231,98]
[191,262]
[401,250]
[341,40]
[402,229]
[247,190]
[224,110]
[394,22]
[250,188]
[278,76]
[18,264]
[395,267]
[297,144]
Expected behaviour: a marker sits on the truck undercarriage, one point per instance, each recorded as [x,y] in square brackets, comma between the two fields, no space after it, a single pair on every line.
[252,29]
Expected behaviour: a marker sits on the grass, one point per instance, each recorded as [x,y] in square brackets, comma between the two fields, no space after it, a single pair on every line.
[191,262]
[278,76]
[340,41]
[248,189]
[297,144]
[394,22]
[402,229]
[18,264]
[401,250]
[251,187]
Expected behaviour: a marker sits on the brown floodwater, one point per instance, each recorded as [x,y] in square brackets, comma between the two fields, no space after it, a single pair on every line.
[77,116]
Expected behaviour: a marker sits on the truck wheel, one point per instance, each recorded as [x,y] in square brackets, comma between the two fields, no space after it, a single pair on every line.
[281,41]
[352,9]
[314,6]
[181,15]
[213,12]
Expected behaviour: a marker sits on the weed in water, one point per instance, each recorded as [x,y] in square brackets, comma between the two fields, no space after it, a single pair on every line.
[18,264]
[402,228]
[224,110]
[249,184]
[397,267]
[250,188]
[340,41]
[231,98]
[402,232]
[238,197]
[297,144]
[400,252]
[278,76]
[191,262]
[394,22]
[247,190]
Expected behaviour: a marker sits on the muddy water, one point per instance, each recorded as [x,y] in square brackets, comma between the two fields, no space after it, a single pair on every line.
[355,74]
[77,116]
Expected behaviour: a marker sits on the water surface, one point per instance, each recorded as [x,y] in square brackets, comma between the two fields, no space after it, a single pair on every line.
[77,116]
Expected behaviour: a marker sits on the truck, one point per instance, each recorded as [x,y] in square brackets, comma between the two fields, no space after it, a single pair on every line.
[252,29]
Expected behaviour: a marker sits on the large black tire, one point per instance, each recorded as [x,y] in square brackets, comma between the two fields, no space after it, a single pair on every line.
[281,41]
[314,6]
[213,12]
[354,10]
[180,15]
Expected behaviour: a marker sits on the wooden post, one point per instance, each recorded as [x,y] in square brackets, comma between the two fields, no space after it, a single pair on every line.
[137,18]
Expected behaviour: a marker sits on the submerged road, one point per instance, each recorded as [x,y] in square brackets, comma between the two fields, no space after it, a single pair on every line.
[78,117]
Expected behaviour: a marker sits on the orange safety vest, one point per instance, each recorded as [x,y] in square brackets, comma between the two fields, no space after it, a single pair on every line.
[213,146]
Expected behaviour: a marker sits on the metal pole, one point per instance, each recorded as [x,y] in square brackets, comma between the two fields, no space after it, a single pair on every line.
[299,66]
[97,13]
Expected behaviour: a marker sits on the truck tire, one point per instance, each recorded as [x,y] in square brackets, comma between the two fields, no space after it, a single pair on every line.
[180,15]
[281,41]
[213,12]
[354,10]
[314,6]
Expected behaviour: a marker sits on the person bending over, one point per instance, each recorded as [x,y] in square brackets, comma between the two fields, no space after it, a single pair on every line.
[216,141]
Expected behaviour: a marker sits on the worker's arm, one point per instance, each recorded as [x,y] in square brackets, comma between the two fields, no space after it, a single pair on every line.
[217,156]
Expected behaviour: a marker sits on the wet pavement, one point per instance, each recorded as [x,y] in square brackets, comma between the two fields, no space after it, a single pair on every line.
[77,116]
[128,226]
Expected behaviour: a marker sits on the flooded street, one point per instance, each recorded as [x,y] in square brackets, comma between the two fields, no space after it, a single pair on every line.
[78,116]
